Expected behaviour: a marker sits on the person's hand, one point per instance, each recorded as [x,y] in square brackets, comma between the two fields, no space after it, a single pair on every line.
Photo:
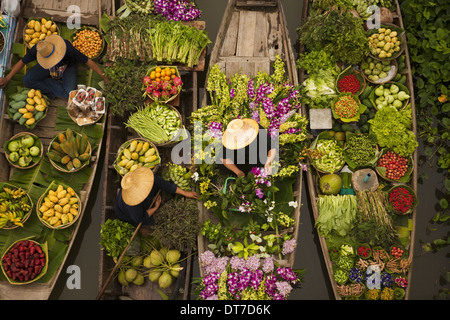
[240,173]
[4,81]
[157,202]
[268,168]
[191,194]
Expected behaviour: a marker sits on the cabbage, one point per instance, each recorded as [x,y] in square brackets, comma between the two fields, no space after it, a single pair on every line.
[319,83]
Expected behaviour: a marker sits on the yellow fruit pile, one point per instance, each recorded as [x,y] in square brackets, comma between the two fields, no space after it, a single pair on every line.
[38,30]
[29,107]
[88,42]
[136,155]
[59,207]
[385,43]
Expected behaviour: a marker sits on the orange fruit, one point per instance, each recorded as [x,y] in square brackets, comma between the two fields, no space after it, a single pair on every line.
[158,69]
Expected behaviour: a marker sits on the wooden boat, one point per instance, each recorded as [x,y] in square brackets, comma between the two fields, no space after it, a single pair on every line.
[312,175]
[117,134]
[46,130]
[251,35]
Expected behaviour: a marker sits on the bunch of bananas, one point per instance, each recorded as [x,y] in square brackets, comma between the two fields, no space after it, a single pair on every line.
[178,175]
[361,6]
[140,6]
[14,204]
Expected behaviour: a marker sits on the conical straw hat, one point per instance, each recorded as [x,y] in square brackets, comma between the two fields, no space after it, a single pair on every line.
[136,185]
[240,133]
[50,51]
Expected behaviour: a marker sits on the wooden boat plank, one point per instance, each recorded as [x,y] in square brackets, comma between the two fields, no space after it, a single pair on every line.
[246,33]
[260,43]
[274,35]
[230,40]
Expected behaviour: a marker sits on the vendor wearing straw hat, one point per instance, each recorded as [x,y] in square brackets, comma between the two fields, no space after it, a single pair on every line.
[139,188]
[241,147]
[55,74]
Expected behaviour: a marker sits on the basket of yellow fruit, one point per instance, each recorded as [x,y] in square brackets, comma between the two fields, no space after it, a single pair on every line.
[59,207]
[88,41]
[38,29]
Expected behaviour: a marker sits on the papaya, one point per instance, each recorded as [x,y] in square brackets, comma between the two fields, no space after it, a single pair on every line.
[61,137]
[69,134]
[65,159]
[54,156]
[84,157]
[76,163]
[56,146]
[78,139]
[69,165]
[83,143]
[67,147]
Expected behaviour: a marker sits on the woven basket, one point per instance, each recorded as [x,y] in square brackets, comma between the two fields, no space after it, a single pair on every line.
[61,167]
[119,169]
[43,271]
[33,163]
[393,63]
[401,35]
[9,225]
[53,186]
[177,73]
[99,33]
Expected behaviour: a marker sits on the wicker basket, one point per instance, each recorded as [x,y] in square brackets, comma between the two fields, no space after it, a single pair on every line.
[392,72]
[119,169]
[402,87]
[99,33]
[405,178]
[35,160]
[177,73]
[43,271]
[26,27]
[357,74]
[415,202]
[61,167]
[9,225]
[401,35]
[53,186]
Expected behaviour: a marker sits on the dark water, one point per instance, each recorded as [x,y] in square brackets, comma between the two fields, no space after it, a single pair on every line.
[427,267]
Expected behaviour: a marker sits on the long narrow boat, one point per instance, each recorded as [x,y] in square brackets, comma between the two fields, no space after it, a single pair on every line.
[315,193]
[117,134]
[251,35]
[36,180]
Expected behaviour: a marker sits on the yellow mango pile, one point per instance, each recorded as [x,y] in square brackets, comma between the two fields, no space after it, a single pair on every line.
[38,30]
[59,207]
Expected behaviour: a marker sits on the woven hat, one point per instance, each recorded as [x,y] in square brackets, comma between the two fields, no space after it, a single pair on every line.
[240,133]
[136,185]
[50,51]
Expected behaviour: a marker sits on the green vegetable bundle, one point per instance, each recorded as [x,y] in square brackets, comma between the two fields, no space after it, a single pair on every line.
[115,236]
[332,158]
[337,214]
[141,121]
[167,117]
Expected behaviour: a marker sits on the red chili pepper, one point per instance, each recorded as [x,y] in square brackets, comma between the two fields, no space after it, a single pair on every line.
[349,83]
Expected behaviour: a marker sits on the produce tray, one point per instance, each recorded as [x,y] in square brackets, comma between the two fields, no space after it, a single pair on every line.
[37,143]
[53,186]
[10,226]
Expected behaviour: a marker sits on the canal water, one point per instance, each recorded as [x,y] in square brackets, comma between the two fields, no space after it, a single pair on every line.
[428,268]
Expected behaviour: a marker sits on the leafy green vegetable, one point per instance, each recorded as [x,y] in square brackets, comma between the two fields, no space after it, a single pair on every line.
[115,236]
[337,214]
[392,130]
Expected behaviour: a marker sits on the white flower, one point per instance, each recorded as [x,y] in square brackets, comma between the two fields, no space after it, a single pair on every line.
[195,176]
[293,204]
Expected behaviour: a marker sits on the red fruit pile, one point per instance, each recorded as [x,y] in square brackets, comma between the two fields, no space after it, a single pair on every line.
[349,83]
[364,251]
[401,199]
[396,165]
[396,252]
[162,90]
[24,261]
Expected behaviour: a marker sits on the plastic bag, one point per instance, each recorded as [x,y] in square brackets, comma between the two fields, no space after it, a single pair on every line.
[11,6]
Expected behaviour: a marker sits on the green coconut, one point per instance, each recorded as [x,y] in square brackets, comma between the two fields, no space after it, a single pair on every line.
[164,251]
[173,256]
[165,280]
[130,274]
[121,278]
[175,270]
[330,183]
[137,261]
[147,262]
[139,280]
[156,258]
[154,275]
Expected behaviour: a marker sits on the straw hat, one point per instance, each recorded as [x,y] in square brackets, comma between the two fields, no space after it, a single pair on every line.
[136,185]
[50,51]
[240,133]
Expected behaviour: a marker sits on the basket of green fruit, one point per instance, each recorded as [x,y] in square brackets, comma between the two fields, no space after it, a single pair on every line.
[24,150]
[379,72]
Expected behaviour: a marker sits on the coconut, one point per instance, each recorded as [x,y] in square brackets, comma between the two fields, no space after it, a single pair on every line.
[136,261]
[147,262]
[175,270]
[165,280]
[130,274]
[330,183]
[154,275]
[156,258]
[164,251]
[121,278]
[173,256]
[139,280]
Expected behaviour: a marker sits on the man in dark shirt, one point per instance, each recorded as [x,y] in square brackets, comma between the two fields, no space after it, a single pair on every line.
[139,188]
[55,75]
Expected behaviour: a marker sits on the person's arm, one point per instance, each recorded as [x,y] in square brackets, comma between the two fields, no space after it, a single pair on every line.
[270,156]
[232,167]
[187,194]
[152,210]
[16,68]
[91,64]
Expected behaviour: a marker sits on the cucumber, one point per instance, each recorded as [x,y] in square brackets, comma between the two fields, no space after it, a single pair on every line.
[365,94]
[39,115]
[402,80]
[397,77]
[367,103]
[17,115]
[22,120]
